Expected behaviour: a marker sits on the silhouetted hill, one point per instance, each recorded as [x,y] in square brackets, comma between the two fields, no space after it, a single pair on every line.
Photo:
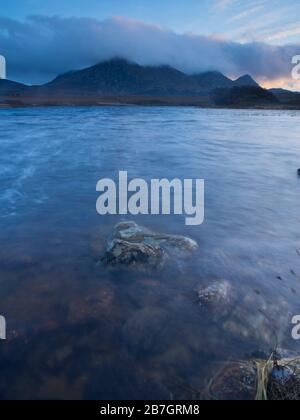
[285,97]
[246,80]
[208,81]
[8,87]
[120,77]
[244,96]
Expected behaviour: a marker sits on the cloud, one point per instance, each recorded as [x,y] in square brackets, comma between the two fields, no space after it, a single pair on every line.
[224,4]
[285,33]
[41,47]
[246,13]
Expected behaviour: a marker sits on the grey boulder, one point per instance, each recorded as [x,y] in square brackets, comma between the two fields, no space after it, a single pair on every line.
[134,245]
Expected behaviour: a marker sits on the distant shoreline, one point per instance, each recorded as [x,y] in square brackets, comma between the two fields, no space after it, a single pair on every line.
[11,102]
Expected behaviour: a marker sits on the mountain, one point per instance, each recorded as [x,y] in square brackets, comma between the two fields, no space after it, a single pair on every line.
[211,80]
[246,80]
[118,81]
[120,77]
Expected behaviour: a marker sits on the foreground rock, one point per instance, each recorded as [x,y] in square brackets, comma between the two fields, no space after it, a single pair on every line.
[234,382]
[134,245]
[284,383]
[271,379]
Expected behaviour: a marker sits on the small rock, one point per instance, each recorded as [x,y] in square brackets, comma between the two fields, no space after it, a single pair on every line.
[216,293]
[282,374]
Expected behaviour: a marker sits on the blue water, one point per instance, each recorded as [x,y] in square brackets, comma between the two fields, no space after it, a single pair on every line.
[79,330]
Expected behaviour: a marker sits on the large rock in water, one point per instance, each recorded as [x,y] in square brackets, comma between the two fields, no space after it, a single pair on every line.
[134,245]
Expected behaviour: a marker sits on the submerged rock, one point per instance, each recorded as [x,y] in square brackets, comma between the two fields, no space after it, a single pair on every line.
[217,297]
[236,381]
[250,317]
[130,231]
[131,253]
[284,383]
[216,293]
[257,319]
[271,378]
[134,245]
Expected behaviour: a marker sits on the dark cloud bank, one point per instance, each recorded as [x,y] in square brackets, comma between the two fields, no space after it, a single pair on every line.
[42,47]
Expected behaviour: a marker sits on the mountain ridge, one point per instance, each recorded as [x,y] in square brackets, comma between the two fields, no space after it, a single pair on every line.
[124,77]
[121,81]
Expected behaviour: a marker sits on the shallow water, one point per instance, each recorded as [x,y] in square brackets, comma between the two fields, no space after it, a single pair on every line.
[79,330]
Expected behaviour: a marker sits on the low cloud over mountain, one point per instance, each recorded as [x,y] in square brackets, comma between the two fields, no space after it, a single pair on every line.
[41,47]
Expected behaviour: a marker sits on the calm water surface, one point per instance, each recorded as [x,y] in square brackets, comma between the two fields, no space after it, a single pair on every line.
[79,330]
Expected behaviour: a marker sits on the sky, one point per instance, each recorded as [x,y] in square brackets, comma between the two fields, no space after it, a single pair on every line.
[41,39]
